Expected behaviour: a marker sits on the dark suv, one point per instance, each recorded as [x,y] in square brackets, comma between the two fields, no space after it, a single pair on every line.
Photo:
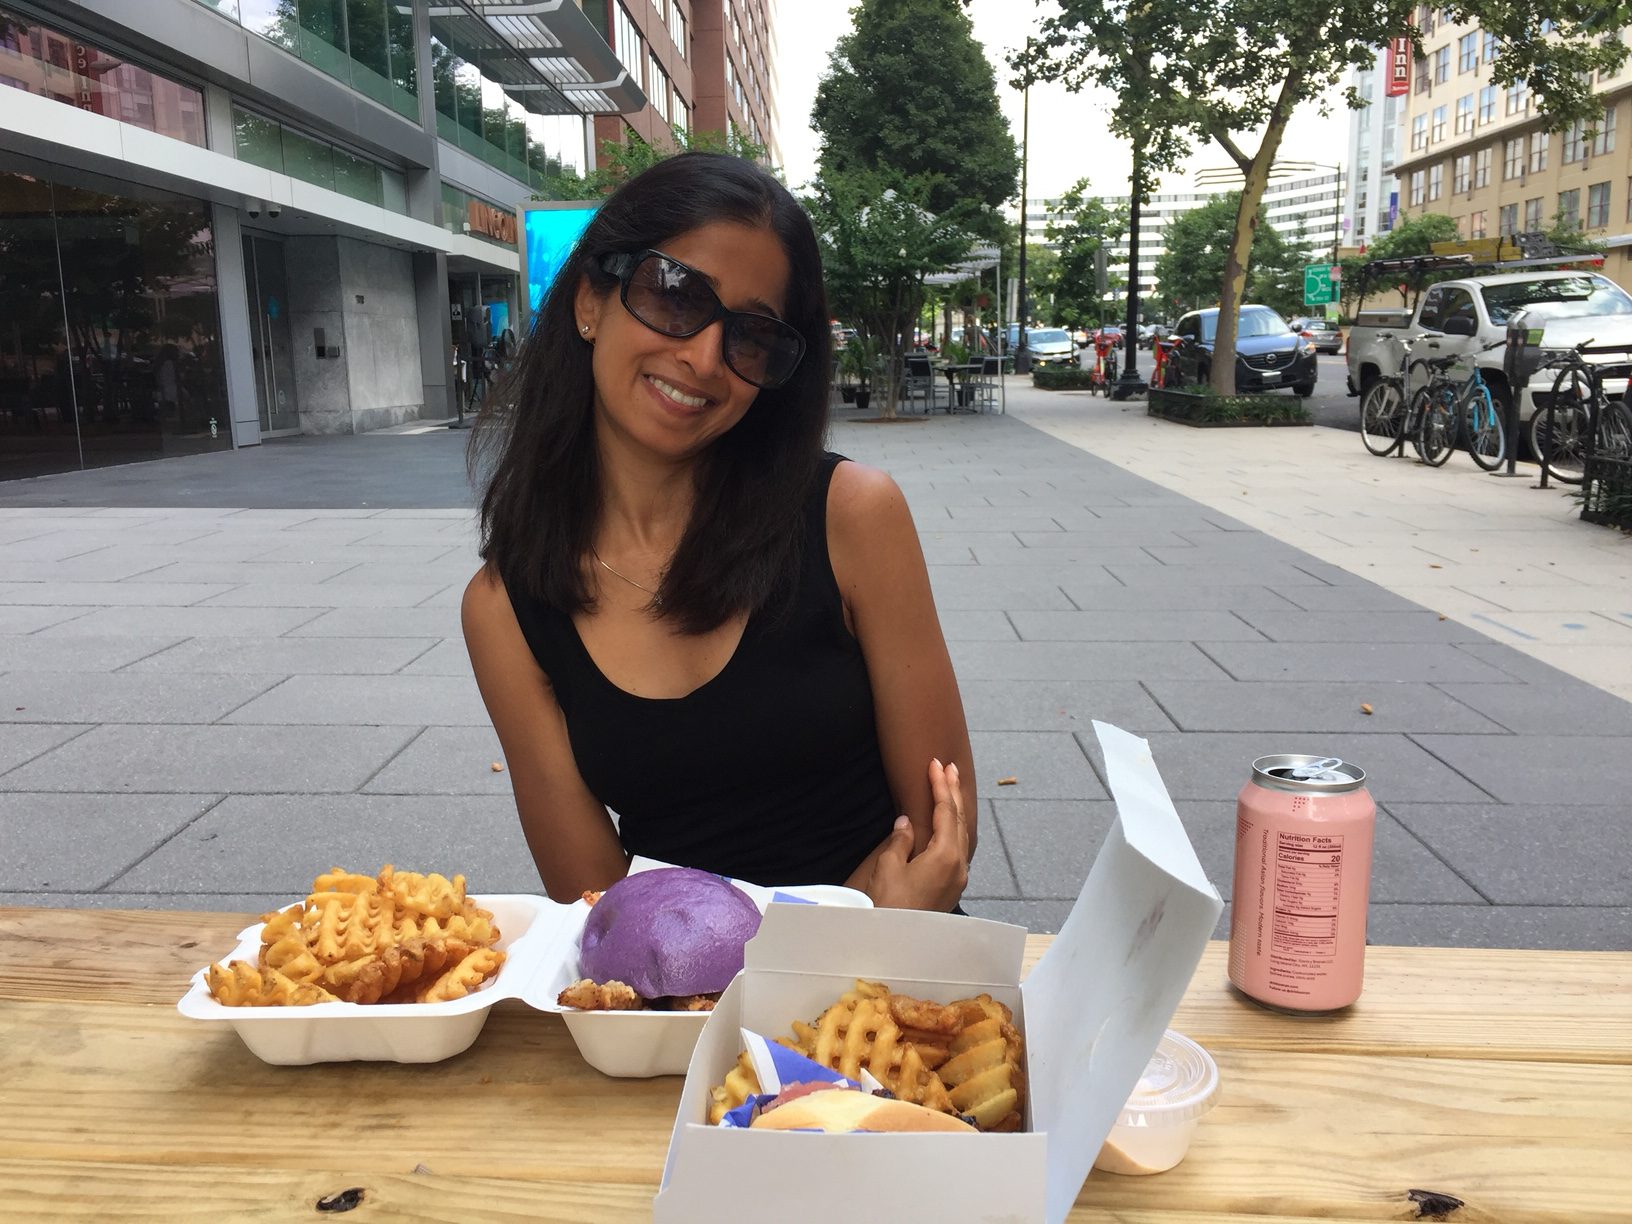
[1268,353]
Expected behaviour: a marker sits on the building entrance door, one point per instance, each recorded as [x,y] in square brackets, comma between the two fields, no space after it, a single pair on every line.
[270,335]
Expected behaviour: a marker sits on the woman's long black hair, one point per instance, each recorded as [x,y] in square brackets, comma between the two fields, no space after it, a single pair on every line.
[542,494]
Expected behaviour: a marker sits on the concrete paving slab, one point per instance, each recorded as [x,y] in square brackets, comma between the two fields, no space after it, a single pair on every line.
[990,874]
[239,573]
[34,653]
[446,761]
[447,658]
[1080,661]
[367,701]
[1540,709]
[282,656]
[93,697]
[20,742]
[156,759]
[962,587]
[1106,625]
[1059,705]
[977,625]
[383,622]
[457,568]
[363,554]
[1044,764]
[1309,706]
[1348,598]
[1384,662]
[1084,554]
[1501,926]
[106,594]
[1549,769]
[1420,626]
[187,622]
[1097,596]
[81,842]
[1277,575]
[15,620]
[1041,916]
[323,595]
[1531,854]
[279,843]
[1215,764]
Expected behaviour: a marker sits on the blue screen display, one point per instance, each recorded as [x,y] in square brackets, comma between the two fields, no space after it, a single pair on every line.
[549,235]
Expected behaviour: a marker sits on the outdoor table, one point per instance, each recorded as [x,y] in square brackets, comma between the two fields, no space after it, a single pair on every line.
[1502,1078]
[959,375]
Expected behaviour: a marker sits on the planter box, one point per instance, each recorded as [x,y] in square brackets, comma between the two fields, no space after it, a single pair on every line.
[1606,492]
[1219,411]
[1063,378]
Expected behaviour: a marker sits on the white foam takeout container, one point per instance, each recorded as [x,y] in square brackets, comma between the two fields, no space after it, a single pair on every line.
[540,940]
[1092,1012]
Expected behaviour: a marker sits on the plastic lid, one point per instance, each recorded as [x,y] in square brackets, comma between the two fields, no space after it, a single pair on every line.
[1178,1085]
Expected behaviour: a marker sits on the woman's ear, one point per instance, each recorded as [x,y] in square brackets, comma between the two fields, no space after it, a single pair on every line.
[586,308]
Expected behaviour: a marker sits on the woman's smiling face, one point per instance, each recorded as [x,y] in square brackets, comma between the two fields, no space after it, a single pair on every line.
[672,395]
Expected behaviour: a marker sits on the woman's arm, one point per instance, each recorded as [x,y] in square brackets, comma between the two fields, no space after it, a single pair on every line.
[568,830]
[881,574]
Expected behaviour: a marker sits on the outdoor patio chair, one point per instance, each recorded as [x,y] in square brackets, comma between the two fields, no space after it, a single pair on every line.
[985,383]
[920,383]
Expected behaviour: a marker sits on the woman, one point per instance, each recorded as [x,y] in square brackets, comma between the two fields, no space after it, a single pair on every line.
[690,614]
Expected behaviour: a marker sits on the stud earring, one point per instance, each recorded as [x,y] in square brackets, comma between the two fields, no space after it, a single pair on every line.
[585,329]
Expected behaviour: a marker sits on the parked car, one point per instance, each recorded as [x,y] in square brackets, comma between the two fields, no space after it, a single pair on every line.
[1466,315]
[1149,333]
[1268,353]
[1324,334]
[1047,345]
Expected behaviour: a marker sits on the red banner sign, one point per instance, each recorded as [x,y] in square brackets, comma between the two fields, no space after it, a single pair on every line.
[1399,68]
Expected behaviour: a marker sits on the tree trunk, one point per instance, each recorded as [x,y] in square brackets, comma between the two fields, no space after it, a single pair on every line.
[1255,172]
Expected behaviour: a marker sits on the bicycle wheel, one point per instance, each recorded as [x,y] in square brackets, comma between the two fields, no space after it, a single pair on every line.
[1486,435]
[1562,435]
[1615,431]
[1382,416]
[1436,427]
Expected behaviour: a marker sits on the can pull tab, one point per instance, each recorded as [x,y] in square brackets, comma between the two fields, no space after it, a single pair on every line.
[1318,771]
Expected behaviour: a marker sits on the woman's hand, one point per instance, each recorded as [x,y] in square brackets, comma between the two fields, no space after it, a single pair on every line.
[934,878]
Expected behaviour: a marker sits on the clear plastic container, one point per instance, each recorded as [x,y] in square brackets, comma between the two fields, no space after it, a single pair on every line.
[1153,1132]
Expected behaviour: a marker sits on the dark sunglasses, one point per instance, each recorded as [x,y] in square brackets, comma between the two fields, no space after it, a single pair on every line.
[678,301]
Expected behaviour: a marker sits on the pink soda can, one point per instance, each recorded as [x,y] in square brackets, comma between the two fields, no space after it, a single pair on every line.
[1303,836]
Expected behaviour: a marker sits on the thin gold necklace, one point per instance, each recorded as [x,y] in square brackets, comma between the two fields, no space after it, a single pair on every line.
[657,600]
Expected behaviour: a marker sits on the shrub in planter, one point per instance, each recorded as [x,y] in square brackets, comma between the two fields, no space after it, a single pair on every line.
[1062,378]
[1203,407]
[1606,492]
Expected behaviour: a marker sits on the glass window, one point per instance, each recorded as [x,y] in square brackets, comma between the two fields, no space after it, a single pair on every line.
[1598,206]
[1507,220]
[1436,180]
[1477,223]
[110,345]
[399,41]
[1419,132]
[308,159]
[682,114]
[1487,104]
[1569,208]
[257,140]
[1442,65]
[1462,173]
[1532,215]
[1481,167]
[1418,188]
[677,31]
[1488,51]
[1464,114]
[627,43]
[356,177]
[1603,139]
[1518,98]
[1573,143]
[657,87]
[1433,307]
[1467,53]
[40,60]
[1438,133]
[394,190]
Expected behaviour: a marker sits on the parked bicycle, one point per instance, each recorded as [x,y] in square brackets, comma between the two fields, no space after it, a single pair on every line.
[1446,409]
[1384,408]
[1579,420]
[1165,351]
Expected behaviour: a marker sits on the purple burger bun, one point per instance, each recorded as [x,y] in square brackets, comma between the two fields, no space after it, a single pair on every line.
[671,931]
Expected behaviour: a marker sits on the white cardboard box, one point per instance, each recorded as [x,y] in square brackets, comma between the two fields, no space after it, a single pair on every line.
[1092,1012]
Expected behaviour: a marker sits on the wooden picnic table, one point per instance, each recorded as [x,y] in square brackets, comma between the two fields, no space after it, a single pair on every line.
[1502,1078]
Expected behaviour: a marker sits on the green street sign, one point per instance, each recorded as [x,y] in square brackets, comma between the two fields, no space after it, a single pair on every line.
[1319,284]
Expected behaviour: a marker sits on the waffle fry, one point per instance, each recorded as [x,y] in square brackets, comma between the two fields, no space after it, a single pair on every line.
[393,938]
[964,1057]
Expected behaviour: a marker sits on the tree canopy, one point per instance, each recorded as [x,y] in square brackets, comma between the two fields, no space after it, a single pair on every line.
[1214,70]
[909,95]
[1197,244]
[1087,226]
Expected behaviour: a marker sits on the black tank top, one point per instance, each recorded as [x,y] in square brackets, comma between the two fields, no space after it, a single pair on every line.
[769,772]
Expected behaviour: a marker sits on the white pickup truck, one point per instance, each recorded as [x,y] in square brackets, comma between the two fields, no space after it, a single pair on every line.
[1572,306]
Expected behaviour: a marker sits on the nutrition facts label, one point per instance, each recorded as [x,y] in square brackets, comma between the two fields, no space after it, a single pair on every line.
[1308,876]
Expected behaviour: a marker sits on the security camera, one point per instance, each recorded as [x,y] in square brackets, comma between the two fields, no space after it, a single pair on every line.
[274,210]
[252,207]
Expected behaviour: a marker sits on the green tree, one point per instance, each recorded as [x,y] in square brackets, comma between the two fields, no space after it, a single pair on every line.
[1087,226]
[1217,69]
[618,162]
[1411,237]
[909,94]
[1197,252]
[878,244]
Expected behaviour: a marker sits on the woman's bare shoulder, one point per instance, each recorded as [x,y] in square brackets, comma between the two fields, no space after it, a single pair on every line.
[859,495]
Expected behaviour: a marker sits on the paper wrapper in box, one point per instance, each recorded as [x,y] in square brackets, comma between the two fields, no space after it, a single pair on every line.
[1092,1011]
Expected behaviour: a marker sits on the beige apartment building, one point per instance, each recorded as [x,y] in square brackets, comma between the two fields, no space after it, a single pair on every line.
[1481,154]
[704,65]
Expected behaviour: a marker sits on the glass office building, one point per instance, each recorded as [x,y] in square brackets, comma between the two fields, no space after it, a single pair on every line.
[222,221]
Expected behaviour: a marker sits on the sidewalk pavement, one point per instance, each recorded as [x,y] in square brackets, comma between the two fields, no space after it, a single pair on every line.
[205,705]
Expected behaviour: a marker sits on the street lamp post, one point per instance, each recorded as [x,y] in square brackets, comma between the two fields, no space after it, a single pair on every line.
[1130,383]
[1022,351]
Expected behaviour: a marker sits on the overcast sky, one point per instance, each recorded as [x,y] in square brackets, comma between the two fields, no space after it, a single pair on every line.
[1068,131]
